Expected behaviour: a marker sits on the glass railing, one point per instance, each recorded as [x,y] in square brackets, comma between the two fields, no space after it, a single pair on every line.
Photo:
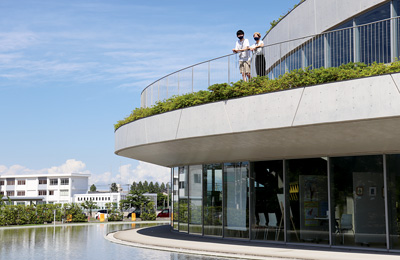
[367,43]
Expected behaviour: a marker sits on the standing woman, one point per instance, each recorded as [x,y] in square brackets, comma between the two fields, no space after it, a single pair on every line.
[258,53]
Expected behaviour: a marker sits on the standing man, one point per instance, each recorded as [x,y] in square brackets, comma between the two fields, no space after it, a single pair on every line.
[243,48]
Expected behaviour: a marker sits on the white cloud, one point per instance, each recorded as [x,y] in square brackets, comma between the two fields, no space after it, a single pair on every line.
[70,166]
[126,174]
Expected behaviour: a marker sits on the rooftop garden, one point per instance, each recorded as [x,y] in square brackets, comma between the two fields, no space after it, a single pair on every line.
[260,85]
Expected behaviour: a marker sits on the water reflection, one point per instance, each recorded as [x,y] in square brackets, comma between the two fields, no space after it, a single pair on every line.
[75,242]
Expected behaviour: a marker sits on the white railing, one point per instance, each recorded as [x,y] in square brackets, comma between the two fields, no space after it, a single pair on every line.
[377,41]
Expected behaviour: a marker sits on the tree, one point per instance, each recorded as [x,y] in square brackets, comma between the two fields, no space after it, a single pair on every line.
[157,188]
[162,200]
[114,187]
[134,186]
[162,187]
[145,186]
[140,187]
[151,187]
[89,205]
[93,188]
[135,199]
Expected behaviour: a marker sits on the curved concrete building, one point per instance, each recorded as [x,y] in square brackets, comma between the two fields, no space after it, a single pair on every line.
[312,165]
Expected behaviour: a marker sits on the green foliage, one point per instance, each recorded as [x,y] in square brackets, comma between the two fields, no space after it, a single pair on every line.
[93,188]
[39,214]
[259,85]
[114,187]
[134,199]
[148,212]
[89,205]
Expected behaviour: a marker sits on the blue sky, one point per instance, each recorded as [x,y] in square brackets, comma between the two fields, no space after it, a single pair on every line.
[69,70]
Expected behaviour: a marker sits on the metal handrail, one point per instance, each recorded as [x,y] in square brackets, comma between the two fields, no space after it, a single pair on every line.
[299,48]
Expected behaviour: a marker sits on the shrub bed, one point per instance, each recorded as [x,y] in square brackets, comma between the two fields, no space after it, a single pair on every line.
[261,85]
[39,214]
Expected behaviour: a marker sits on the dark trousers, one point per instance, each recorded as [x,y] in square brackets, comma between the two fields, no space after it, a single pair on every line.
[260,65]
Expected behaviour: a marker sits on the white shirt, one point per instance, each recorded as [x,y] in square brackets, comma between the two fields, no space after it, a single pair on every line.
[240,45]
[258,50]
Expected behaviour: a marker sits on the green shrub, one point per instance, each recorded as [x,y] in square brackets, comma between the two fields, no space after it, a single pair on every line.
[259,85]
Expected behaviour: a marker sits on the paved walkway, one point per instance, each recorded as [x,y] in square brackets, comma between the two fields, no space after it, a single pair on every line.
[162,238]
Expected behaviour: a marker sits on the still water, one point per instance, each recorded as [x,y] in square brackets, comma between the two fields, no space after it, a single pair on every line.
[73,242]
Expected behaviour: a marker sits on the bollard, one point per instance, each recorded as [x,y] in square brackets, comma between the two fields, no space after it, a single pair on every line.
[133,216]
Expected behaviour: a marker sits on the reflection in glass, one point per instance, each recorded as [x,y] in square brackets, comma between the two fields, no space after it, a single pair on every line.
[308,219]
[195,199]
[358,201]
[268,218]
[212,199]
[183,199]
[236,197]
[393,175]
[175,206]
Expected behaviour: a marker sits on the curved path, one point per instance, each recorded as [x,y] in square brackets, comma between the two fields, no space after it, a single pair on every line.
[162,238]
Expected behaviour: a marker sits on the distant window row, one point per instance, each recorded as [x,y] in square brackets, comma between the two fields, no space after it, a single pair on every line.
[93,198]
[63,181]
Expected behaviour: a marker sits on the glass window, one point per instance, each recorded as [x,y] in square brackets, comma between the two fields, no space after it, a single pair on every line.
[268,201]
[42,181]
[212,174]
[183,199]
[236,197]
[21,182]
[175,205]
[10,181]
[307,215]
[10,193]
[64,193]
[21,193]
[358,202]
[64,181]
[1,183]
[380,13]
[195,199]
[53,181]
[393,182]
[42,192]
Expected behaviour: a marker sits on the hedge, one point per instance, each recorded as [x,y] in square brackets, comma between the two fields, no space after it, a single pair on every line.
[261,85]
[39,214]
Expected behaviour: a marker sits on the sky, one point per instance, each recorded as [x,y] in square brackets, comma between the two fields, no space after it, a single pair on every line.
[69,70]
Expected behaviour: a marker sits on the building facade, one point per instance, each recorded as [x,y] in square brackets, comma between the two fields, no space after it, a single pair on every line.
[49,188]
[316,165]
[101,198]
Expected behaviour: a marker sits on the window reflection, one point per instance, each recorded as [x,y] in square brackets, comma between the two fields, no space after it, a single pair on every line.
[358,201]
[175,206]
[308,215]
[236,196]
[183,199]
[212,199]
[393,173]
[268,217]
[195,199]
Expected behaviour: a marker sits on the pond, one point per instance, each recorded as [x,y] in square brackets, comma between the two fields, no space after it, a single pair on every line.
[74,242]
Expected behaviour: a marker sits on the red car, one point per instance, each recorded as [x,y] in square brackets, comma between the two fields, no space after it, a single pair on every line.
[163,214]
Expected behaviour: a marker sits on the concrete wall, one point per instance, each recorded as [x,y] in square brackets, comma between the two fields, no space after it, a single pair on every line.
[351,117]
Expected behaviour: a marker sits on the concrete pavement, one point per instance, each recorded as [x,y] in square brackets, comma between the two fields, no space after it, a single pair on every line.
[162,238]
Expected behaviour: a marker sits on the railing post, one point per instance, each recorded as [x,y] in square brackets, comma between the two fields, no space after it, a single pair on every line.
[229,69]
[178,83]
[356,42]
[167,87]
[192,78]
[208,73]
[393,33]
[327,56]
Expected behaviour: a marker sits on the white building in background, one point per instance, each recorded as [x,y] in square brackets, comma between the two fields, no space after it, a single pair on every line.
[45,188]
[101,198]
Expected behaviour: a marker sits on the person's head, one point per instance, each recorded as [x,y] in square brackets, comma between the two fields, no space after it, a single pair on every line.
[240,34]
[257,36]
